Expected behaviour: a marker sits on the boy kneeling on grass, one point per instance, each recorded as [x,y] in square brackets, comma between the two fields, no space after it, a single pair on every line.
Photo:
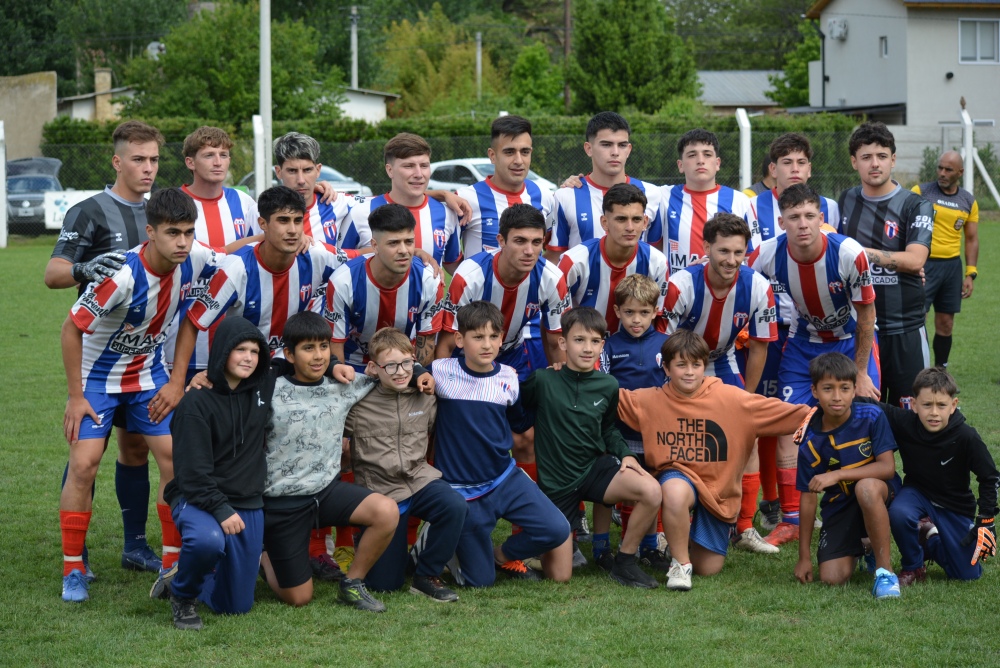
[845,452]
[698,434]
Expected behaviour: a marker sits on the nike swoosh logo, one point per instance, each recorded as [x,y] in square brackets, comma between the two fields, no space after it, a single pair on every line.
[598,403]
[944,462]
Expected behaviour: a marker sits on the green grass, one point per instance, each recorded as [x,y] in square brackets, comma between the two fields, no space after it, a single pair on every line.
[754,612]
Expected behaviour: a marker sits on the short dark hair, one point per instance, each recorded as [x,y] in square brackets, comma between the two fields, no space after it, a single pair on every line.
[606,120]
[935,379]
[295,146]
[170,205]
[588,318]
[509,126]
[206,135]
[303,327]
[872,132]
[697,136]
[833,365]
[479,314]
[765,167]
[684,344]
[725,225]
[788,143]
[623,194]
[519,216]
[797,195]
[405,145]
[280,198]
[135,131]
[391,218]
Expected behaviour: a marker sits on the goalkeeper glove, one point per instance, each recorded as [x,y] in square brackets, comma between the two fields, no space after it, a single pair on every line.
[99,268]
[984,535]
[800,433]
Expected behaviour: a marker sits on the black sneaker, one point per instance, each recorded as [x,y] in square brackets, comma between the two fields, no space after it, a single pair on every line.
[161,587]
[325,568]
[770,514]
[583,534]
[432,588]
[606,561]
[654,559]
[354,592]
[626,571]
[185,616]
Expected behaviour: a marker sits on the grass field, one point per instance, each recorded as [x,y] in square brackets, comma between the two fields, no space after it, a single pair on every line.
[753,613]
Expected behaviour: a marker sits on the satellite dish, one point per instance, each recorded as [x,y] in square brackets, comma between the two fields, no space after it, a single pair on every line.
[155,49]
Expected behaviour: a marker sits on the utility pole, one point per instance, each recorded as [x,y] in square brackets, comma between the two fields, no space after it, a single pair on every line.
[479,66]
[354,46]
[567,19]
[265,84]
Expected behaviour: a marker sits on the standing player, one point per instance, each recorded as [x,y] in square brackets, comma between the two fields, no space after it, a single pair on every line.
[408,165]
[577,206]
[91,246]
[718,301]
[829,281]
[766,180]
[594,267]
[687,207]
[955,209]
[112,352]
[895,227]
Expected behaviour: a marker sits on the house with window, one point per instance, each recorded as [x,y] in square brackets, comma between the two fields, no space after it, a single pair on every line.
[908,62]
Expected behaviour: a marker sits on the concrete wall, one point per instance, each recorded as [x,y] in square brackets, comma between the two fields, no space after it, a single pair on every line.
[27,103]
[364,106]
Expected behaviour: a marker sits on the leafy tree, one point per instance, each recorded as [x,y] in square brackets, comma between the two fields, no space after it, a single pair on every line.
[535,84]
[211,70]
[627,54]
[791,88]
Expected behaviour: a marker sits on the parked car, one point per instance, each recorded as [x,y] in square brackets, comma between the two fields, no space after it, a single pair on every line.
[28,179]
[341,182]
[455,174]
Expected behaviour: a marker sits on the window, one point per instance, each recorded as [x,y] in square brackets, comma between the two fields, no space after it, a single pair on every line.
[443,173]
[883,46]
[978,41]
[463,175]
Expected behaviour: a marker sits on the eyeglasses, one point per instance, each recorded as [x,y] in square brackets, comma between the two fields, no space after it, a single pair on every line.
[392,367]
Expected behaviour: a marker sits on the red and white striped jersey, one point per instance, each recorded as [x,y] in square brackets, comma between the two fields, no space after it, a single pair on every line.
[592,279]
[124,320]
[684,213]
[488,202]
[229,217]
[436,231]
[579,210]
[323,220]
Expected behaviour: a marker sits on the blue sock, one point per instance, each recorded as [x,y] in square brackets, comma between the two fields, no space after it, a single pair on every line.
[601,544]
[132,489]
[648,542]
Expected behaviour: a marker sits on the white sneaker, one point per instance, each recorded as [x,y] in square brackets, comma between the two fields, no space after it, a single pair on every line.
[750,541]
[679,577]
[661,544]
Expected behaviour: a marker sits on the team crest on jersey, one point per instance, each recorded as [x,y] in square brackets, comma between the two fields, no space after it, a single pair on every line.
[836,287]
[865,448]
[891,229]
[330,228]
[439,239]
[413,313]
[740,319]
[305,293]
[906,402]
[185,290]
[531,309]
[240,226]
[959,223]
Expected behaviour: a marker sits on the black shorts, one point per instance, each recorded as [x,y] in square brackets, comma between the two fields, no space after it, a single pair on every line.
[287,527]
[842,533]
[593,487]
[901,358]
[943,289]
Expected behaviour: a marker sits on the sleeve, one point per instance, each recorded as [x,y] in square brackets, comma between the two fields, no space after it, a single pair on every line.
[452,249]
[430,306]
[224,291]
[810,464]
[973,213]
[629,409]
[765,315]
[339,301]
[76,236]
[208,260]
[753,219]
[659,271]
[355,233]
[528,395]
[860,277]
[549,209]
[574,270]
[559,242]
[556,301]
[674,304]
[773,417]
[194,465]
[454,300]
[920,223]
[834,211]
[654,231]
[520,419]
[614,442]
[984,468]
[882,438]
[100,299]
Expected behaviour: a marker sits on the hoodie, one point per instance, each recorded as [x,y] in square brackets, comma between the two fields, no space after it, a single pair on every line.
[218,434]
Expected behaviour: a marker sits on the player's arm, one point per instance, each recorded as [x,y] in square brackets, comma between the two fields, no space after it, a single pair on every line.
[240,243]
[457,204]
[77,405]
[337,349]
[807,508]
[61,273]
[170,394]
[864,337]
[883,468]
[971,254]
[445,345]
[909,261]
[756,358]
[423,349]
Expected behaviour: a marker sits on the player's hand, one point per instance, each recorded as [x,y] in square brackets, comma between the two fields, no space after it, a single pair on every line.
[305,243]
[632,463]
[967,286]
[343,373]
[99,268]
[429,260]
[327,193]
[425,383]
[800,433]
[821,481]
[804,571]
[164,401]
[984,534]
[574,181]
[557,366]
[199,381]
[461,207]
[864,387]
[76,410]
[233,525]
[923,276]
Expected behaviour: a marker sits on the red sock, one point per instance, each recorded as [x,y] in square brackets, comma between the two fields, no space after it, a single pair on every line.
[767,450]
[659,521]
[748,503]
[73,526]
[171,536]
[788,496]
[412,524]
[531,468]
[317,541]
[626,513]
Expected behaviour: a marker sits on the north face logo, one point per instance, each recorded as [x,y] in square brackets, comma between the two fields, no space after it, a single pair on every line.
[695,441]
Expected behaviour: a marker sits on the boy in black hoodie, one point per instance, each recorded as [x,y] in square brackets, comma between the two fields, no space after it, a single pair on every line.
[219,471]
[932,517]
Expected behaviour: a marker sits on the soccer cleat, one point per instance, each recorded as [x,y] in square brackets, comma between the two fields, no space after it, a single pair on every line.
[783,533]
[750,541]
[161,588]
[662,545]
[616,516]
[325,568]
[583,534]
[354,592]
[925,530]
[185,616]
[432,588]
[606,561]
[654,559]
[534,563]
[516,570]
[907,578]
[141,559]
[679,576]
[75,587]
[886,585]
[579,560]
[625,571]
[344,555]
[770,514]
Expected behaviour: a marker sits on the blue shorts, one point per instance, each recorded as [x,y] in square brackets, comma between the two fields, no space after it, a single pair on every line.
[707,530]
[136,405]
[728,377]
[768,386]
[793,374]
[518,359]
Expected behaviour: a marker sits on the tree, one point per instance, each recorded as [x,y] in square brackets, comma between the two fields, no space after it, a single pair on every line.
[791,88]
[627,54]
[211,70]
[535,84]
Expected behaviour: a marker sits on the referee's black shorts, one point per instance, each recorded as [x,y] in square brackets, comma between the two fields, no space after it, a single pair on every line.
[943,286]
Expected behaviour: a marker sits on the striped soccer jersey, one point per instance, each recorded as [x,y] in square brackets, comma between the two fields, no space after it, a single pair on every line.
[824,291]
[357,306]
[578,214]
[436,231]
[124,320]
[227,218]
[749,302]
[324,219]
[591,278]
[488,202]
[245,286]
[684,213]
[542,292]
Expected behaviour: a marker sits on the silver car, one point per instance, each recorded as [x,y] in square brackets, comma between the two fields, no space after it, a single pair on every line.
[28,180]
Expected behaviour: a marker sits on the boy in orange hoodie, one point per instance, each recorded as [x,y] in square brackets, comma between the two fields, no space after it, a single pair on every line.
[698,434]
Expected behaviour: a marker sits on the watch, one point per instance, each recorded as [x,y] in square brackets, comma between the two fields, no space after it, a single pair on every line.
[972,275]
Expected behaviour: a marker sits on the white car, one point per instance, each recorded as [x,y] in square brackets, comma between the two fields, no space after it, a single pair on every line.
[455,174]
[341,182]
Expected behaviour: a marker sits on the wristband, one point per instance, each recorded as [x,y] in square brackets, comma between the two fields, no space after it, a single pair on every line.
[970,269]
